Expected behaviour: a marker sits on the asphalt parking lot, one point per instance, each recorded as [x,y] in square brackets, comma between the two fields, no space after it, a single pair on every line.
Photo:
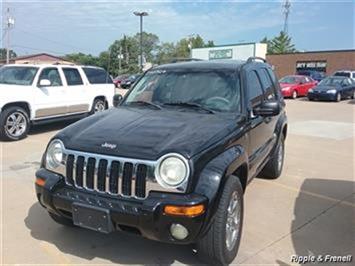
[309,210]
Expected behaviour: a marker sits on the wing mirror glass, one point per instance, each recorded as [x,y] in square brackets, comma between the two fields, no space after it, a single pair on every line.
[44,83]
[269,108]
[117,99]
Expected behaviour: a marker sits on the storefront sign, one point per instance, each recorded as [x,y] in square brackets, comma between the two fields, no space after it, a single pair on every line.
[311,64]
[220,54]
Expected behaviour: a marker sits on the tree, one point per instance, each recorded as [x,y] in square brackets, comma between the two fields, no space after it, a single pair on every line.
[280,44]
[3,54]
[82,59]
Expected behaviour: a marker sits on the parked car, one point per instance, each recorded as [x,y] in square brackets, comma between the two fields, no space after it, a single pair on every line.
[316,75]
[117,80]
[128,82]
[294,85]
[345,73]
[333,88]
[32,94]
[173,160]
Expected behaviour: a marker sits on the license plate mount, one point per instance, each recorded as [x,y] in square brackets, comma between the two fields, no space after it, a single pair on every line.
[91,217]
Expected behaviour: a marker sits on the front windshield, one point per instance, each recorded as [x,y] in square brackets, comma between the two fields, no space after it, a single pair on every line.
[288,80]
[217,90]
[331,82]
[17,75]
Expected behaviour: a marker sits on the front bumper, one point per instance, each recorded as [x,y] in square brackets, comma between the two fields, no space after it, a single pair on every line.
[321,96]
[145,217]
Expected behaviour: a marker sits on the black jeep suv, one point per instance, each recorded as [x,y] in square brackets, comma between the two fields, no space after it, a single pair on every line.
[171,162]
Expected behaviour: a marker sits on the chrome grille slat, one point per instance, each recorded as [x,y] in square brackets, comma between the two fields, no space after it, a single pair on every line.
[84,171]
[96,173]
[134,179]
[120,174]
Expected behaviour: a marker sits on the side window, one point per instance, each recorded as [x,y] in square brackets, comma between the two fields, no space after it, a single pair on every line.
[255,91]
[268,86]
[72,76]
[353,75]
[97,75]
[52,74]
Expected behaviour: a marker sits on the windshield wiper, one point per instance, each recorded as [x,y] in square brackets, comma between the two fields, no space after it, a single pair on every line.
[191,104]
[145,103]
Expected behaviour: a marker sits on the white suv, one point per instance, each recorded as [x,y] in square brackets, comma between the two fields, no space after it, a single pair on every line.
[31,94]
[345,73]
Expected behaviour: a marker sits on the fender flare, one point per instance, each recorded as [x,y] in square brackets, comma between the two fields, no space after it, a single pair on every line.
[214,175]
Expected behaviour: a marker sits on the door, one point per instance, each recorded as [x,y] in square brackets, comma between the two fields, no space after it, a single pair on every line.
[308,84]
[50,100]
[258,126]
[347,88]
[77,96]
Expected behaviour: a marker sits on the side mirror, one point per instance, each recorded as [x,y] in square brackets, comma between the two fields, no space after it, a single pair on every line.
[270,108]
[44,83]
[117,98]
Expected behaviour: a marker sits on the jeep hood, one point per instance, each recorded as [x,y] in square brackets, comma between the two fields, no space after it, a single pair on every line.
[147,134]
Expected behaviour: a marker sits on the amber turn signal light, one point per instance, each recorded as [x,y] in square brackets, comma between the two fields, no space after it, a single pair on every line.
[188,211]
[40,182]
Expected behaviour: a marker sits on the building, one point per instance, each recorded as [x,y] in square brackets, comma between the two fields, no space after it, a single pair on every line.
[324,61]
[240,51]
[42,58]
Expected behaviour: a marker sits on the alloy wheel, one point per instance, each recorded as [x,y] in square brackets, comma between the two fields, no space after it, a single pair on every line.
[16,124]
[233,221]
[294,94]
[280,155]
[338,97]
[99,106]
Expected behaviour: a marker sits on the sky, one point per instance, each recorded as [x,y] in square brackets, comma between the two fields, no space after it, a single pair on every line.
[64,26]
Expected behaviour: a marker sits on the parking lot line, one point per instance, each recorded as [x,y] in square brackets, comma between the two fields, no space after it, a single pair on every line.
[340,201]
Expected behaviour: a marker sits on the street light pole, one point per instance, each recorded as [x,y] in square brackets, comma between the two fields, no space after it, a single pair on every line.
[10,21]
[141,15]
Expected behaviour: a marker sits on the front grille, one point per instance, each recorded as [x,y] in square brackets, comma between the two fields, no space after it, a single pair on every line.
[107,174]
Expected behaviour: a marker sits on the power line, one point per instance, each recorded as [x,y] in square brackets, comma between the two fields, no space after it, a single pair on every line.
[36,49]
[49,40]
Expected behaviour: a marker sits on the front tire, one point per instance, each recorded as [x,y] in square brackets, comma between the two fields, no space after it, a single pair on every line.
[273,168]
[99,105]
[14,123]
[338,97]
[294,95]
[219,246]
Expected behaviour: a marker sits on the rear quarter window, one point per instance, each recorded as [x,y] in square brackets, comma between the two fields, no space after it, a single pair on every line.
[97,75]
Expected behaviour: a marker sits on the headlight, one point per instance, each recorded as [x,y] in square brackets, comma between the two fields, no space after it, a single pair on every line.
[172,170]
[310,90]
[331,91]
[54,155]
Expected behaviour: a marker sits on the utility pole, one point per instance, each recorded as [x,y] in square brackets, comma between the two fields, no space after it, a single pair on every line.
[10,22]
[120,56]
[286,10]
[141,15]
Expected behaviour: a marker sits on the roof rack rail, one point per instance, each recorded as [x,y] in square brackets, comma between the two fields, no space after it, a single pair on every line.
[254,58]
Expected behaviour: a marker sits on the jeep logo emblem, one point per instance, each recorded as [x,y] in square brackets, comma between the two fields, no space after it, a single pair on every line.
[108,145]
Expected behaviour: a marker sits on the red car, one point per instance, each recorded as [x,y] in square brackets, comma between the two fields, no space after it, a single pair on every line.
[117,80]
[296,85]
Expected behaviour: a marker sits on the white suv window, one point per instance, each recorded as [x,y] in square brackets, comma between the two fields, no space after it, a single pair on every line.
[72,76]
[52,74]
